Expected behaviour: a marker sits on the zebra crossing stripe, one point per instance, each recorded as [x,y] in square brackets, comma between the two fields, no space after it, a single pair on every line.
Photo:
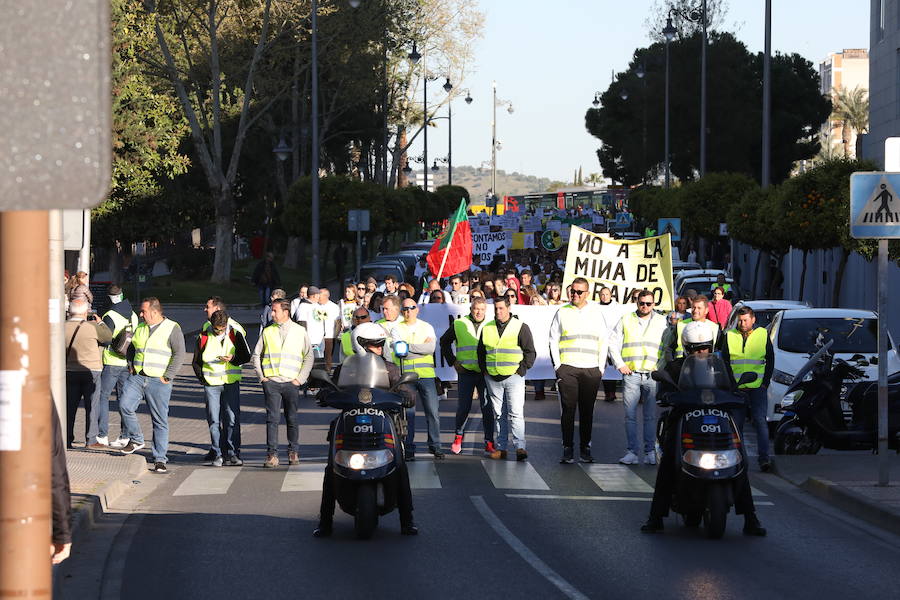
[208,481]
[513,475]
[423,476]
[304,478]
[616,478]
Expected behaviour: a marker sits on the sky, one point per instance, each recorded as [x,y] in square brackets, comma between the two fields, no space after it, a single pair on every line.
[548,59]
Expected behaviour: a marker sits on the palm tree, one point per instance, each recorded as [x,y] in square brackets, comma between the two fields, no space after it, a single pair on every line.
[851,108]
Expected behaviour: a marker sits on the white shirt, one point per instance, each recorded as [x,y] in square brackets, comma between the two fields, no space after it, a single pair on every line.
[420,271]
[330,313]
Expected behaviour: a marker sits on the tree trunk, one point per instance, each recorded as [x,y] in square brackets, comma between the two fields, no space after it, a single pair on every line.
[114,258]
[803,275]
[292,252]
[845,138]
[839,277]
[224,203]
[756,271]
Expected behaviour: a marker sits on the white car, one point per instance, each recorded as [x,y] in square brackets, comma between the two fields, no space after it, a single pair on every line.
[764,310]
[797,334]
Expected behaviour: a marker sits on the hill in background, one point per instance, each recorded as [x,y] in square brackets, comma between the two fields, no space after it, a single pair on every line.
[478,182]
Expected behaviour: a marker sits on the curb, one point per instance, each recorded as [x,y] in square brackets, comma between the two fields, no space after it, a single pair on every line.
[90,506]
[854,503]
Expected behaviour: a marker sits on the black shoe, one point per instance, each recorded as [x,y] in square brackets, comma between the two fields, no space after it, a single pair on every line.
[653,525]
[409,455]
[409,529]
[160,468]
[765,465]
[752,526]
[586,455]
[234,461]
[209,457]
[438,453]
[323,530]
[609,398]
[568,456]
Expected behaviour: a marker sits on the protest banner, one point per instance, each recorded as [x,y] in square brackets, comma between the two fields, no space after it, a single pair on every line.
[488,244]
[621,265]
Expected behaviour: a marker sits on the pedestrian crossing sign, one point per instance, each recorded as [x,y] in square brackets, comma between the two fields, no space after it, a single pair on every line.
[874,205]
[670,225]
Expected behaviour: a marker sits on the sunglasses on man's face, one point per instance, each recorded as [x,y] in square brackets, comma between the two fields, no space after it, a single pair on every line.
[645,303]
[408,308]
[577,292]
[360,317]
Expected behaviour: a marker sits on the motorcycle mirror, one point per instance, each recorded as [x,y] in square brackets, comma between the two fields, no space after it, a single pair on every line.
[404,379]
[663,377]
[323,376]
[746,378]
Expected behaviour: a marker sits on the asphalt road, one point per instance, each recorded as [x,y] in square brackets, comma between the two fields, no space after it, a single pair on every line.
[201,532]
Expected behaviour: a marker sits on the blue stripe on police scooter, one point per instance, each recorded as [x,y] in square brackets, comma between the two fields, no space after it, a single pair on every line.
[513,475]
[616,478]
[304,478]
[423,475]
[207,481]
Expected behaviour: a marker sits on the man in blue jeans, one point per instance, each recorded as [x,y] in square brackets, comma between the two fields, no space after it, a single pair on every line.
[636,345]
[120,316]
[156,355]
[221,350]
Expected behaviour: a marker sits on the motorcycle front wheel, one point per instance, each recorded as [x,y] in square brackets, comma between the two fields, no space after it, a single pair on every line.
[366,519]
[716,513]
[789,441]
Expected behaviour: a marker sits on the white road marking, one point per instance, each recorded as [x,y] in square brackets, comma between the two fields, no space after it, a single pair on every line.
[513,475]
[304,478]
[208,481]
[757,492]
[599,498]
[616,478]
[423,476]
[522,550]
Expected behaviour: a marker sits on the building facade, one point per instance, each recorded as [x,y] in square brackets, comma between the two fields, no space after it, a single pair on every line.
[846,70]
[884,78]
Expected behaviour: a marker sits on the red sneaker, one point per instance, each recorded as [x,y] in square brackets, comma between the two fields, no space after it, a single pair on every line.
[488,447]
[456,446]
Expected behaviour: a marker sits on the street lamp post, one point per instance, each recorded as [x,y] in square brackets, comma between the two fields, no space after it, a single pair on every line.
[314,129]
[669,33]
[767,101]
[495,143]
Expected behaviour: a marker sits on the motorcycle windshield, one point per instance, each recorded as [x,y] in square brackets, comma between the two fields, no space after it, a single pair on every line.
[704,372]
[810,364]
[364,371]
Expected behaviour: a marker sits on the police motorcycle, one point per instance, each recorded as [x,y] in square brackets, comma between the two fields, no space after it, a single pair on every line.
[815,415]
[366,449]
[706,439]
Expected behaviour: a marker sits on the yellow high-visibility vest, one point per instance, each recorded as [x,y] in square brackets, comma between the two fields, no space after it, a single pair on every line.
[747,355]
[422,365]
[502,353]
[152,353]
[119,322]
[642,345]
[282,360]
[467,333]
[215,371]
[579,337]
[347,343]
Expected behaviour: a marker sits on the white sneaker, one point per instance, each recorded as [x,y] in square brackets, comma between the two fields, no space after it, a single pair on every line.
[629,459]
[120,443]
[103,440]
[649,458]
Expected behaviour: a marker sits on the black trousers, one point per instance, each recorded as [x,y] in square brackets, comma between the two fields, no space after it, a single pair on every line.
[404,491]
[82,387]
[577,389]
[609,389]
[667,473]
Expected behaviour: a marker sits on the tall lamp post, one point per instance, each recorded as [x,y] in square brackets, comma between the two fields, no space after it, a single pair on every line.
[449,159]
[699,15]
[669,33]
[495,143]
[314,130]
[767,102]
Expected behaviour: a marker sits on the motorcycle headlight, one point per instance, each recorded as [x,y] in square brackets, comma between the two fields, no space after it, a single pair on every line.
[789,399]
[713,460]
[358,461]
[782,377]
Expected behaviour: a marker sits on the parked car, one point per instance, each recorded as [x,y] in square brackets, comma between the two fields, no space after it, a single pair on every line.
[409,261]
[764,310]
[379,270]
[797,334]
[705,284]
[679,265]
[423,246]
[698,272]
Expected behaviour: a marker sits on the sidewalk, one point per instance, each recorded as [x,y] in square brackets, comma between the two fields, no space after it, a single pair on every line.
[849,482]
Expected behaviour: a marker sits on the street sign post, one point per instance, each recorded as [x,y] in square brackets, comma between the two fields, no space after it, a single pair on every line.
[358,221]
[875,214]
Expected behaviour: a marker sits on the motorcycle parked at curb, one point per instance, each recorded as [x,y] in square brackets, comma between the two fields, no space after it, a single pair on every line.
[707,444]
[366,448]
[814,415]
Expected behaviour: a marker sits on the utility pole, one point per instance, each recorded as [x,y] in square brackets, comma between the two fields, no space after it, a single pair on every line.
[494,143]
[314,130]
[704,20]
[765,179]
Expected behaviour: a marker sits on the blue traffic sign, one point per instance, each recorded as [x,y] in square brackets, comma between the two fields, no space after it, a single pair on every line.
[670,225]
[874,205]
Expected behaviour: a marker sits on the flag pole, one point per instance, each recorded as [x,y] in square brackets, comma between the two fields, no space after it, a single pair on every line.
[444,260]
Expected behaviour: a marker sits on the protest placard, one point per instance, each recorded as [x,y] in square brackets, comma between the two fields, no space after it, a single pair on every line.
[621,265]
[488,244]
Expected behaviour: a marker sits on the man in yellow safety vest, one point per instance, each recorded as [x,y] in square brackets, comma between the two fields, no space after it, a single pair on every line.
[360,316]
[156,355]
[465,333]
[283,359]
[505,353]
[699,312]
[220,351]
[749,348]
[119,317]
[422,341]
[636,345]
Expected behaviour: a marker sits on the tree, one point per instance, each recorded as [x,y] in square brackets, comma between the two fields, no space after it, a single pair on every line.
[734,113]
[851,108]
[191,36]
[716,11]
